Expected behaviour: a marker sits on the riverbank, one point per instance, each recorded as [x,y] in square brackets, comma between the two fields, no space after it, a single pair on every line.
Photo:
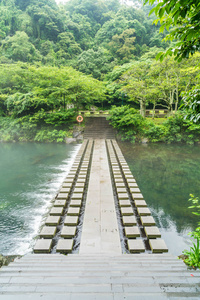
[5,260]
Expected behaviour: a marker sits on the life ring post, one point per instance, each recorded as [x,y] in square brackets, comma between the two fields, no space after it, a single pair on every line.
[79,119]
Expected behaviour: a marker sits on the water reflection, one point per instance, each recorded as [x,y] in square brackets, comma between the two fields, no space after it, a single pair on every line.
[166,175]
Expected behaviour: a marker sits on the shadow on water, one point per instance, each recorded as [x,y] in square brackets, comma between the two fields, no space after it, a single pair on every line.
[166,175]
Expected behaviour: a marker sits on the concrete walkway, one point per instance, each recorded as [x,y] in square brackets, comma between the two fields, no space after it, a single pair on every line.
[100,232]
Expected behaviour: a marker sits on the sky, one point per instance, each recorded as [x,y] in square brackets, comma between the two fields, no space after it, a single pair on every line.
[61,1]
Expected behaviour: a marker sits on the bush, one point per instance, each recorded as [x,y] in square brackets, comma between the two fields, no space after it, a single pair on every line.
[51,136]
[154,133]
[193,255]
[129,123]
[191,105]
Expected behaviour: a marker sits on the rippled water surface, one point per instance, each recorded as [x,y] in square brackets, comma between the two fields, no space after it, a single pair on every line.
[30,176]
[166,175]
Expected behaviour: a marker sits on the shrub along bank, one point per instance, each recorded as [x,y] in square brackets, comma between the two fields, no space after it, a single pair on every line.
[40,127]
[133,127]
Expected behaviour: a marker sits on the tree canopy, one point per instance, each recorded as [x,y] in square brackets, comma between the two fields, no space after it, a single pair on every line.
[181,19]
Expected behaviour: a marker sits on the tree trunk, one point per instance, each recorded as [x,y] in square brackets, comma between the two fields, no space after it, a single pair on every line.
[142,108]
[154,107]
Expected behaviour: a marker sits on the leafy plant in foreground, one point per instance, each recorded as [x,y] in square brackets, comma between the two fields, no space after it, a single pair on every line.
[193,255]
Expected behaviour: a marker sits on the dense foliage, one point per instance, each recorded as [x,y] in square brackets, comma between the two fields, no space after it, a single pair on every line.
[192,256]
[133,127]
[184,17]
[88,53]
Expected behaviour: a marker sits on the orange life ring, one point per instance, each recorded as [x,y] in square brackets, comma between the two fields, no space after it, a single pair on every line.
[79,119]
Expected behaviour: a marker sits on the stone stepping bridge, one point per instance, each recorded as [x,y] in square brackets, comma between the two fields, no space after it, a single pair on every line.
[101,217]
[99,186]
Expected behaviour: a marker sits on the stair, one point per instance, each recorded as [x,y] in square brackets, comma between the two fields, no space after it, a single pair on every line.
[98,128]
[101,277]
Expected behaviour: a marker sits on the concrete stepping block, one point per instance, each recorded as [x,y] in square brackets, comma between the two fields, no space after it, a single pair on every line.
[64,246]
[135,190]
[62,196]
[116,176]
[80,180]
[127,211]
[120,185]
[73,211]
[58,203]
[147,221]
[143,211]
[125,168]
[127,172]
[132,232]
[140,203]
[71,220]
[68,232]
[116,173]
[116,169]
[129,220]
[83,170]
[43,246]
[136,246]
[66,185]
[124,203]
[128,176]
[132,185]
[80,184]
[52,220]
[82,173]
[72,174]
[121,190]
[152,232]
[158,246]
[137,196]
[78,190]
[69,180]
[77,196]
[119,180]
[48,232]
[70,177]
[81,176]
[122,196]
[75,203]
[64,190]
[56,211]
[131,180]
[74,169]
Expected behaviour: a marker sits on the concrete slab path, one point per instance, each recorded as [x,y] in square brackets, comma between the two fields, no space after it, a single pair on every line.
[100,233]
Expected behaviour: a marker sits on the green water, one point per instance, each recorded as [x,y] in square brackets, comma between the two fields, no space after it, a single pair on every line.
[30,176]
[166,175]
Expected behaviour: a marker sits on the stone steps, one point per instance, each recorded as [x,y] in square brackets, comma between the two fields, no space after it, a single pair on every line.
[98,128]
[140,276]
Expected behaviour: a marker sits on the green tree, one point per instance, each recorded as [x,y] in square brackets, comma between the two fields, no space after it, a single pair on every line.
[182,19]
[123,45]
[138,84]
[19,48]
[96,62]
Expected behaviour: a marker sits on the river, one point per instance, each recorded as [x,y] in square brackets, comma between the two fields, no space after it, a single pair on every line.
[31,174]
[166,176]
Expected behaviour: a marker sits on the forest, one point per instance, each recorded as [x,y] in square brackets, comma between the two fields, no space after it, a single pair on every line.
[58,59]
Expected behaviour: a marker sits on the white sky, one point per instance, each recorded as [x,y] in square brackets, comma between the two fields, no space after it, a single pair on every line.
[61,1]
